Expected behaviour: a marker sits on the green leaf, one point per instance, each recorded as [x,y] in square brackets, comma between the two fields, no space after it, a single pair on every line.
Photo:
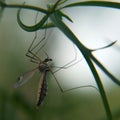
[109,45]
[95,3]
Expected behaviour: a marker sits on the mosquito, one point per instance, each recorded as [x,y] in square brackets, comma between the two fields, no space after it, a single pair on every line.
[44,68]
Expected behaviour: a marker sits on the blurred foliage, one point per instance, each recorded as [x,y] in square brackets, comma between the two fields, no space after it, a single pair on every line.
[56,106]
[1,9]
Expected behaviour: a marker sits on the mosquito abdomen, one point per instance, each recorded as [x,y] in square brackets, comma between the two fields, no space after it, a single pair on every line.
[42,88]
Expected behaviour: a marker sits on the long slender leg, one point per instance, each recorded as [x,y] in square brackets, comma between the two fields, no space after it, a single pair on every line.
[29,53]
[66,66]
[70,63]
[42,40]
[67,90]
[33,55]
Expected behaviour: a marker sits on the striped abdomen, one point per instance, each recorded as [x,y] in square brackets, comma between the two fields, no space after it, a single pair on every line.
[42,85]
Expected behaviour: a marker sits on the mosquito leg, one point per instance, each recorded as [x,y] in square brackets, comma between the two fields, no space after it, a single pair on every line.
[37,44]
[64,91]
[65,66]
[79,87]
[33,57]
[70,63]
[35,33]
[61,89]
[30,54]
[32,48]
[44,38]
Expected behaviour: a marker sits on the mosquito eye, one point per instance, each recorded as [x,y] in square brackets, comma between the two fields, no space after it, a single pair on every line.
[47,60]
[50,59]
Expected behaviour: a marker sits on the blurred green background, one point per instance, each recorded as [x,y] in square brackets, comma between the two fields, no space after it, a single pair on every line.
[19,104]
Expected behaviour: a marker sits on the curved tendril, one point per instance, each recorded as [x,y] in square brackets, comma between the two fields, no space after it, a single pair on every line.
[41,23]
[34,27]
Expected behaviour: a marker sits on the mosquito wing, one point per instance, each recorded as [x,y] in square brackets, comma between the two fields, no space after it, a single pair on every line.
[24,78]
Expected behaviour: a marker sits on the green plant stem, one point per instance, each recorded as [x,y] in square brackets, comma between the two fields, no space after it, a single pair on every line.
[86,53]
[95,3]
[105,70]
[25,7]
[101,89]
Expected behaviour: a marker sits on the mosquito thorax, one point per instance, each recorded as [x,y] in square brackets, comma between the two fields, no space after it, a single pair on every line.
[43,67]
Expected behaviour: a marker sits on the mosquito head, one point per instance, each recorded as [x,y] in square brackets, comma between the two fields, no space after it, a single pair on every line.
[47,60]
